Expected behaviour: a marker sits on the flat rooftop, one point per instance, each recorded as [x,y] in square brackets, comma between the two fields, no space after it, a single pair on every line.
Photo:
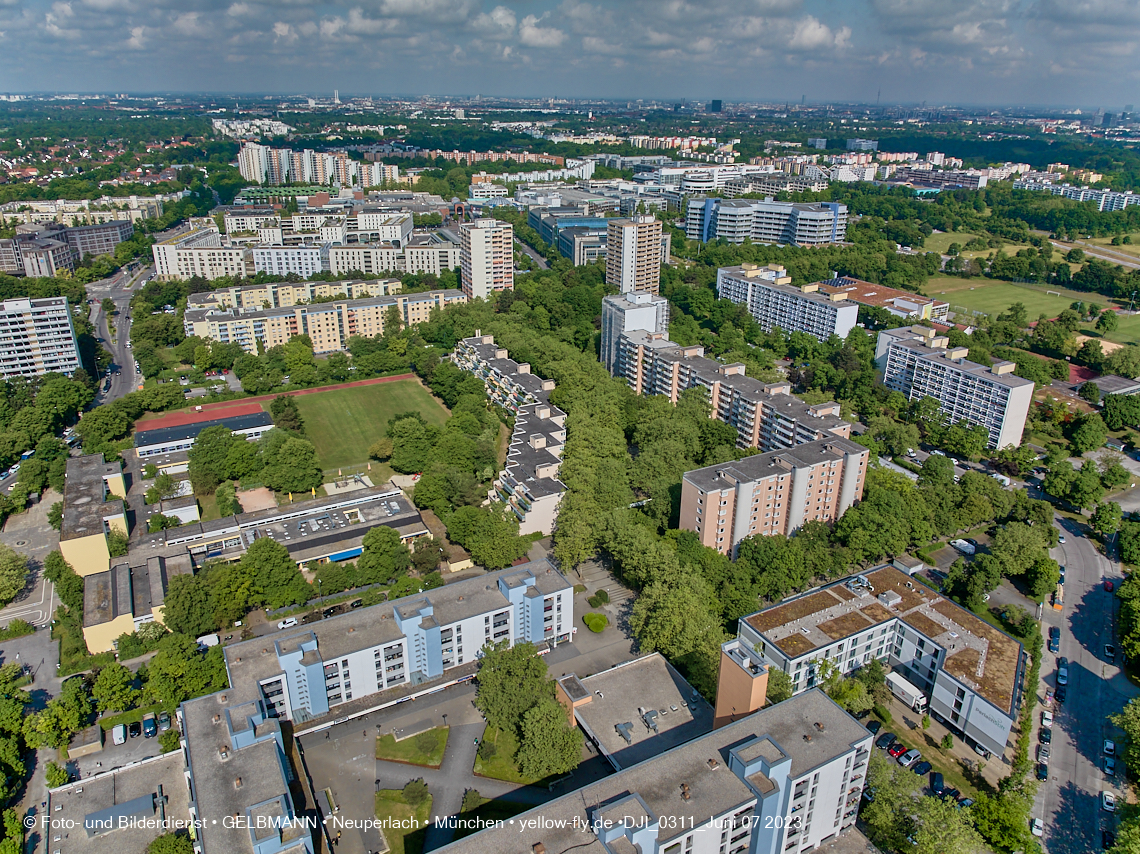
[941,355]
[978,654]
[759,466]
[85,503]
[868,293]
[713,789]
[129,790]
[163,435]
[652,684]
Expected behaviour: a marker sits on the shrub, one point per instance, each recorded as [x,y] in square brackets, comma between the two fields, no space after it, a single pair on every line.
[56,775]
[882,713]
[472,800]
[595,622]
[947,741]
[55,515]
[169,740]
[487,750]
[594,602]
[426,742]
[416,792]
[579,588]
[602,596]
[16,629]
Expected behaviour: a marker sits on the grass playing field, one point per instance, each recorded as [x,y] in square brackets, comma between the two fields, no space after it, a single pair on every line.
[343,423]
[941,242]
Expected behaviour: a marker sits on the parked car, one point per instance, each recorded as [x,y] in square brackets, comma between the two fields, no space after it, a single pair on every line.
[149,725]
[135,729]
[119,734]
[1062,692]
[1037,827]
[951,795]
[981,751]
[1109,653]
[1046,735]
[164,721]
[1108,801]
[873,727]
[937,783]
[1050,696]
[1107,839]
[1061,580]
[885,740]
[1047,718]
[909,758]
[287,623]
[896,750]
[1109,748]
[1108,586]
[1042,771]
[1062,671]
[1043,753]
[921,768]
[1054,639]
[1061,539]
[965,802]
[1109,766]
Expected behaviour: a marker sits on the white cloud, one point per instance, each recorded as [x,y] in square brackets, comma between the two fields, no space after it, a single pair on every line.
[498,23]
[284,32]
[532,35]
[811,34]
[137,41]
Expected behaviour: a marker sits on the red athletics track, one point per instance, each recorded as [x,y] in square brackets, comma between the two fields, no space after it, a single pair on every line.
[246,405]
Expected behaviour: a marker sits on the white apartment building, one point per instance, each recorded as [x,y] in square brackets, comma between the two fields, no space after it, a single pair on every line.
[372,226]
[486,257]
[633,254]
[773,302]
[765,221]
[487,190]
[970,671]
[628,312]
[422,253]
[305,261]
[375,174]
[919,362]
[37,337]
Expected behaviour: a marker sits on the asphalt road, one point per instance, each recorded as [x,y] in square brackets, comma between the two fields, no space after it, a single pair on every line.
[119,288]
[539,261]
[1104,253]
[1069,802]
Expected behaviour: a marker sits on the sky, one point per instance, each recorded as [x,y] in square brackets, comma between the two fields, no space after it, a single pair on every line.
[1065,53]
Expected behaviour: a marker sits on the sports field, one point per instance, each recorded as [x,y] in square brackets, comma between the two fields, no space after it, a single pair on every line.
[940,243]
[995,297]
[343,423]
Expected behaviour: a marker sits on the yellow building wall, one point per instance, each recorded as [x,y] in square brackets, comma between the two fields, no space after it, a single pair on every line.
[118,523]
[101,638]
[87,555]
[115,485]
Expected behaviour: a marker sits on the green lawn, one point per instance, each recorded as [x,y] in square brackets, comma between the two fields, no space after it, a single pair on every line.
[933,753]
[501,766]
[489,810]
[343,423]
[1132,248]
[390,804]
[940,243]
[425,748]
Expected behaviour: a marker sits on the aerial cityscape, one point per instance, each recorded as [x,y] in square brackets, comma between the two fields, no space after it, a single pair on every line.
[717,425]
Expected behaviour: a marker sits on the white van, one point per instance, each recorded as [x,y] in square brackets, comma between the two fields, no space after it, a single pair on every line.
[119,734]
[287,623]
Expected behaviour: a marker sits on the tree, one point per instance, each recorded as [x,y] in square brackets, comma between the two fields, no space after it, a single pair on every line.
[511,681]
[55,515]
[1128,719]
[1042,578]
[1090,391]
[159,522]
[164,487]
[295,468]
[1086,488]
[68,585]
[276,579]
[13,573]
[780,686]
[286,415]
[384,556]
[1017,546]
[1106,518]
[188,606]
[1088,433]
[56,775]
[171,843]
[208,457]
[942,827]
[179,671]
[1121,410]
[1108,321]
[549,745]
[114,689]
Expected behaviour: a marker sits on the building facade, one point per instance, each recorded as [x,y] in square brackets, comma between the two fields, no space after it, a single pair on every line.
[772,300]
[904,304]
[305,261]
[100,239]
[330,325]
[528,483]
[919,362]
[627,312]
[772,494]
[486,257]
[765,221]
[37,337]
[970,671]
[633,254]
[429,253]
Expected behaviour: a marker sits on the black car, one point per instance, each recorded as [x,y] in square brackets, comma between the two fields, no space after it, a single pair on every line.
[922,768]
[1109,653]
[885,740]
[951,795]
[1042,771]
[1107,839]
[135,729]
[873,727]
[1061,692]
[1046,735]
[937,784]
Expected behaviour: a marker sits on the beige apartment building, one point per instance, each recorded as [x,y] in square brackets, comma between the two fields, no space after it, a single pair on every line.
[37,337]
[772,494]
[93,497]
[633,254]
[329,324]
[286,294]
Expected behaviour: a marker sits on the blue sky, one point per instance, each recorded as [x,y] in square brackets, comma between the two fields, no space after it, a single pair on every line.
[1063,52]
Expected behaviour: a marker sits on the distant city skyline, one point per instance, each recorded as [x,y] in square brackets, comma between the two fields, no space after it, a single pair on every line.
[1059,53]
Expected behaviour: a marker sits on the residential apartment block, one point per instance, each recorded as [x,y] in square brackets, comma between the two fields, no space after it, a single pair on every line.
[486,257]
[99,239]
[772,493]
[529,483]
[330,325]
[37,337]
[919,362]
[421,253]
[286,294]
[199,252]
[766,415]
[305,261]
[765,221]
[772,300]
[786,778]
[93,506]
[970,671]
[628,312]
[633,254]
[904,304]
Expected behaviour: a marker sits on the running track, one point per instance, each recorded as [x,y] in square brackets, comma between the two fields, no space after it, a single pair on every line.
[245,405]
